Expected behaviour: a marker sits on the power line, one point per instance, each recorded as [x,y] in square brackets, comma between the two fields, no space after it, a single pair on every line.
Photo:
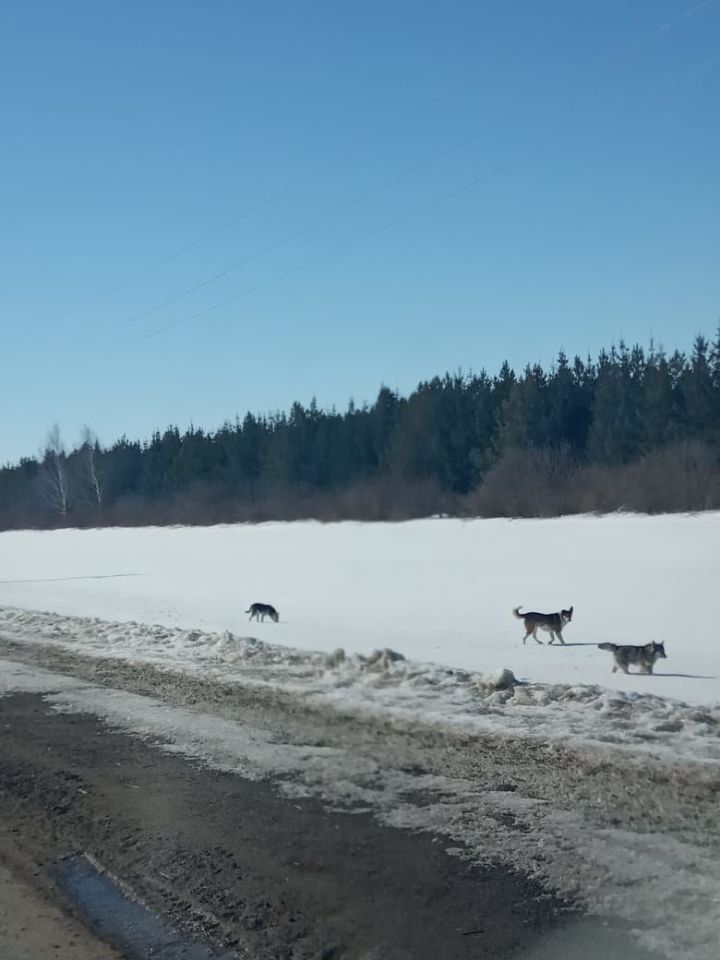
[311,261]
[357,201]
[267,201]
[326,218]
[221,228]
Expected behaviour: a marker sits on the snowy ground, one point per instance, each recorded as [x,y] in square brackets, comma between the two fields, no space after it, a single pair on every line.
[436,590]
[441,593]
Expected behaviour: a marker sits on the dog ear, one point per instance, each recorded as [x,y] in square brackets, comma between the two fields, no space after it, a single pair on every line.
[571,610]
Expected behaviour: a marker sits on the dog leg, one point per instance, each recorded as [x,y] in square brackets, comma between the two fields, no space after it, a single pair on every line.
[614,669]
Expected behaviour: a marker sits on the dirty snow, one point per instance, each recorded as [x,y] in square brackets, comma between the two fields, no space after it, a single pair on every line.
[665,889]
[385,682]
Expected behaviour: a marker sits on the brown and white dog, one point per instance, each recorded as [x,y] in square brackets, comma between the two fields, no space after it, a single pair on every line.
[552,622]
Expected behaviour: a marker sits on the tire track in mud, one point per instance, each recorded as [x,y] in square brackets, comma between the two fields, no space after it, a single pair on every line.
[234,862]
[606,828]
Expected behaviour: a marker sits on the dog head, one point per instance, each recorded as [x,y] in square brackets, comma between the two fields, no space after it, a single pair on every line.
[659,651]
[274,615]
[566,615]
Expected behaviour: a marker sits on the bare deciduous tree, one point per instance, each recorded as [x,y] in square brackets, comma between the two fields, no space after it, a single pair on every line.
[92,475]
[54,481]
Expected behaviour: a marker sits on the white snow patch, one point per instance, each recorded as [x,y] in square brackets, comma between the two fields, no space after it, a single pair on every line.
[437,590]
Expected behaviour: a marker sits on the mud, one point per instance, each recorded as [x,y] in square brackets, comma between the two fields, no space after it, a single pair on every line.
[488,864]
[232,862]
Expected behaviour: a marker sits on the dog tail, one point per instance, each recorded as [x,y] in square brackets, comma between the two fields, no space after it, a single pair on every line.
[248,610]
[612,647]
[516,612]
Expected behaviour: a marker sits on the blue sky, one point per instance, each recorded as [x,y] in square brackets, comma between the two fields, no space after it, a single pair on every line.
[390,189]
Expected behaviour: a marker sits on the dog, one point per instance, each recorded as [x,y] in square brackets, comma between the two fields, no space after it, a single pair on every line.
[552,622]
[258,611]
[641,656]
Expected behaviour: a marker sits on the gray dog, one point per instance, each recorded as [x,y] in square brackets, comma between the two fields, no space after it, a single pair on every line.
[258,611]
[643,657]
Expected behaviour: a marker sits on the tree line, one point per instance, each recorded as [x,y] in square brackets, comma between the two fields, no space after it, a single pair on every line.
[632,429]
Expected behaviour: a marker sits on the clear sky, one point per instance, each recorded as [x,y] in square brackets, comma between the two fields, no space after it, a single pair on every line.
[389,190]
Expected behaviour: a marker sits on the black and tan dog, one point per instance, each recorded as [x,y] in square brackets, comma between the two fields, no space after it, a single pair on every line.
[553,623]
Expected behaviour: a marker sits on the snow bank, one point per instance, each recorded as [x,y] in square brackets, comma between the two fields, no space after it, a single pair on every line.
[385,682]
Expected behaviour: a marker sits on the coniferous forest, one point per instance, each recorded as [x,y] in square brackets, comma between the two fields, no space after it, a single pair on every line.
[632,429]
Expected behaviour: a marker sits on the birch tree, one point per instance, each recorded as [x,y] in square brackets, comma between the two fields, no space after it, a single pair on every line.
[92,478]
[54,480]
